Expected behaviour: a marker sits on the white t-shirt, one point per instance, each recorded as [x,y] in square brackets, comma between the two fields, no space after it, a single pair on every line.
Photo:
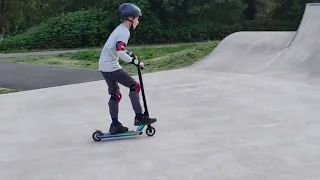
[109,57]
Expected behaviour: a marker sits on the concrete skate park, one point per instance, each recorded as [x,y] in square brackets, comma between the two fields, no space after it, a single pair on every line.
[254,117]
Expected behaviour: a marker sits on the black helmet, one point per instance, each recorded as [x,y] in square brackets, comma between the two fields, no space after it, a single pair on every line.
[127,9]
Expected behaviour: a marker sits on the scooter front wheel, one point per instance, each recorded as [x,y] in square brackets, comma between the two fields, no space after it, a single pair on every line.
[150,131]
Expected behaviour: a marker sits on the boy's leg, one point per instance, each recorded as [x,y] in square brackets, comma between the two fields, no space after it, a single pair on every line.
[126,80]
[115,97]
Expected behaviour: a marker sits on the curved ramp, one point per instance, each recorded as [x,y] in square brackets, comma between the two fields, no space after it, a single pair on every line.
[246,52]
[303,55]
[295,55]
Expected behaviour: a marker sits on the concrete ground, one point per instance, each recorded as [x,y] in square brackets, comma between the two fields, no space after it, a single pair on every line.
[212,124]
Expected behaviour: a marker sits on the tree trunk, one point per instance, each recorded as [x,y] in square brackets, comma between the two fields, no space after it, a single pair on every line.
[2,16]
[251,11]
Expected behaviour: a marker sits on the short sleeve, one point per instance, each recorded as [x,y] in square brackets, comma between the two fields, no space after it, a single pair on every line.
[123,36]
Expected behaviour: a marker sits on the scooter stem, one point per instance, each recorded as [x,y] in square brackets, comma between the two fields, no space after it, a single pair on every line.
[146,112]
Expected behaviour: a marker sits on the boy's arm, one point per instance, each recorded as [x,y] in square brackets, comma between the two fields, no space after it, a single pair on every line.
[120,46]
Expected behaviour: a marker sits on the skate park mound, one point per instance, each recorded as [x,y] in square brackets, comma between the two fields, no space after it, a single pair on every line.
[302,58]
[246,52]
[290,55]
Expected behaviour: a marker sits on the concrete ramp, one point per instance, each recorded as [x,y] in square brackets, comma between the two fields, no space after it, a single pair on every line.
[246,52]
[303,55]
[295,55]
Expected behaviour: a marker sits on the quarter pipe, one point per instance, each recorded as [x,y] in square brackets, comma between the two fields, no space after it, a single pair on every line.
[285,54]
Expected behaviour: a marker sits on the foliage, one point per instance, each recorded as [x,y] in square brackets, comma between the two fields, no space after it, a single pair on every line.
[7,91]
[41,24]
[77,29]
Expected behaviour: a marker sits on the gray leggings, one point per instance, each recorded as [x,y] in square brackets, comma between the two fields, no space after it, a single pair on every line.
[120,76]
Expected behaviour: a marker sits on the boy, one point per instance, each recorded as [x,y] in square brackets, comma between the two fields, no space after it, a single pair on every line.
[113,73]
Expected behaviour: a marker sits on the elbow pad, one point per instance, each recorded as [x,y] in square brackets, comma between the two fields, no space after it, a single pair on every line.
[120,45]
[123,55]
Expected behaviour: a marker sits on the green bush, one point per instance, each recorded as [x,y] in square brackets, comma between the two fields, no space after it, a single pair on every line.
[77,29]
[91,27]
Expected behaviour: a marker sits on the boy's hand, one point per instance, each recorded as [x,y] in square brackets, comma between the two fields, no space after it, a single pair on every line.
[141,65]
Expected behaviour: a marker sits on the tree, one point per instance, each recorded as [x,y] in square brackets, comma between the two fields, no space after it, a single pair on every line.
[251,10]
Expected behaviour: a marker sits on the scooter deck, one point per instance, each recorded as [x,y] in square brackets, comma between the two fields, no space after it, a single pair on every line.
[128,133]
[98,135]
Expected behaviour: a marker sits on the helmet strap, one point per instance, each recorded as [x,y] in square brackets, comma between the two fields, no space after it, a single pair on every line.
[131,26]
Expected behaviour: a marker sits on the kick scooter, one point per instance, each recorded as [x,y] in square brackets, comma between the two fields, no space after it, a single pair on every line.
[98,135]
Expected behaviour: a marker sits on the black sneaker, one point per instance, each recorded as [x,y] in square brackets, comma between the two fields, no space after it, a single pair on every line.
[116,129]
[144,120]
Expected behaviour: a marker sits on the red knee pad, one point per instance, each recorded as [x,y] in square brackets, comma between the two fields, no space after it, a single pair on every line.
[117,97]
[137,87]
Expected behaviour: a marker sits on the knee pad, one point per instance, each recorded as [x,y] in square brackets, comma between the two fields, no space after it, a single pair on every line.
[135,87]
[117,97]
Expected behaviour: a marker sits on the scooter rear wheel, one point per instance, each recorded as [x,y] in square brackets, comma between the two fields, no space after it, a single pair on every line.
[96,134]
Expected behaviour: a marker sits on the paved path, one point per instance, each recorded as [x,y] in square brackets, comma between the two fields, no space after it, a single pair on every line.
[25,76]
[28,76]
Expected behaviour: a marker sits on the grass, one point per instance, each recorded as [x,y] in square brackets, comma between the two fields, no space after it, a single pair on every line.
[155,58]
[62,49]
[6,91]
